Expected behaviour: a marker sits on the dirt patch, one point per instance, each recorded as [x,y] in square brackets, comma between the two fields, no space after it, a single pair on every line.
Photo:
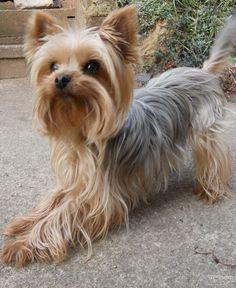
[97,10]
[152,43]
[229,81]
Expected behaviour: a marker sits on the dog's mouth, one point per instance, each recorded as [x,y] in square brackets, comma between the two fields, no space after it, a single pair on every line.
[65,95]
[84,107]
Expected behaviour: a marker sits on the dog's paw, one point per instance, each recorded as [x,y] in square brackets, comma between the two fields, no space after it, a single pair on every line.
[18,253]
[19,226]
[207,196]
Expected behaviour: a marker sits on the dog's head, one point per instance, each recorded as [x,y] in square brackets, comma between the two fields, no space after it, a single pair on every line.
[83,78]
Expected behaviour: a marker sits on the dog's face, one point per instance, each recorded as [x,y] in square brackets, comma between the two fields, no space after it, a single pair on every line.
[84,78]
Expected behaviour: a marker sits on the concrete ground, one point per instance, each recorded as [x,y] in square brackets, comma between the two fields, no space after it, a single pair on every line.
[159,248]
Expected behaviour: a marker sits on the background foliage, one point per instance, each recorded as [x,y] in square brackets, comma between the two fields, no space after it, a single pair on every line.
[191,26]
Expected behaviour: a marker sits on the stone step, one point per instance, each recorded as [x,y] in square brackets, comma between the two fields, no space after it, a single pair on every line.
[11,40]
[12,62]
[12,68]
[12,22]
[11,51]
[12,29]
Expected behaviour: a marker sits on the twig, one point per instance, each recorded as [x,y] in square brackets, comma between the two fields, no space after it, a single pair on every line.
[214,257]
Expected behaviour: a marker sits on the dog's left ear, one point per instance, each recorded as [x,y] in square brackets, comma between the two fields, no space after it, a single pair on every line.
[39,25]
[120,29]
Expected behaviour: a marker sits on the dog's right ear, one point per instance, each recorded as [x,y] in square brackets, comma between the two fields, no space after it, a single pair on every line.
[39,26]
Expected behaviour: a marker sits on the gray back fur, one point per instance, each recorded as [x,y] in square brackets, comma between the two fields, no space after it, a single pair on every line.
[161,119]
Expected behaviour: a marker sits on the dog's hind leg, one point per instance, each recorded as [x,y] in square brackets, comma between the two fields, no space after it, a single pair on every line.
[212,164]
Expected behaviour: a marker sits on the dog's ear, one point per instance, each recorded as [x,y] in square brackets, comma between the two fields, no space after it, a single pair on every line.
[120,29]
[39,25]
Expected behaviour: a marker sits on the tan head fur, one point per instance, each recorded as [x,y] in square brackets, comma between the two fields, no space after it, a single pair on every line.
[84,79]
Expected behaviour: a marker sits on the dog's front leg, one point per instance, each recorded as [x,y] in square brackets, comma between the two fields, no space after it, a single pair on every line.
[44,234]
[47,233]
[23,224]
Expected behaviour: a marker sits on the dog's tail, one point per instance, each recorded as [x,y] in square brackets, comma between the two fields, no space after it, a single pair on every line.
[223,47]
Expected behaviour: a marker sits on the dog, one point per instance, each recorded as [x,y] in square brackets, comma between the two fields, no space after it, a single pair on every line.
[112,146]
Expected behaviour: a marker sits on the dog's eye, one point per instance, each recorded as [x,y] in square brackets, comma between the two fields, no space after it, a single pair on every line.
[53,67]
[91,67]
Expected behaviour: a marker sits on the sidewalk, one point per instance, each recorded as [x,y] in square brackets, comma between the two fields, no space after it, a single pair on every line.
[159,248]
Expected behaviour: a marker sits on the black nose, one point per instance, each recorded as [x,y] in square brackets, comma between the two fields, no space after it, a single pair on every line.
[61,81]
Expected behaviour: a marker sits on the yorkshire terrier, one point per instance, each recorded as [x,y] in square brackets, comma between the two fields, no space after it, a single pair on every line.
[111,145]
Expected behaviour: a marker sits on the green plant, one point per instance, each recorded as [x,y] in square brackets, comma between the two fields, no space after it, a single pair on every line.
[123,2]
[191,24]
